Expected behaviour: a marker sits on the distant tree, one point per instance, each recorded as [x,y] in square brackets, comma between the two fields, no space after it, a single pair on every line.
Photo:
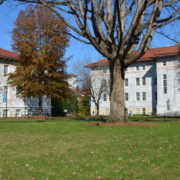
[97,83]
[58,106]
[84,108]
[41,71]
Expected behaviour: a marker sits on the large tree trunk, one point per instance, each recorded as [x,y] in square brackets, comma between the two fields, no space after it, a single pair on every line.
[97,109]
[117,101]
[40,110]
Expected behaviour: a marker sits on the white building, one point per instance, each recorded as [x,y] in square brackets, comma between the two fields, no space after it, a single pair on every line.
[150,84]
[13,106]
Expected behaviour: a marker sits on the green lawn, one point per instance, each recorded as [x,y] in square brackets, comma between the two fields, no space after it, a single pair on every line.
[66,149]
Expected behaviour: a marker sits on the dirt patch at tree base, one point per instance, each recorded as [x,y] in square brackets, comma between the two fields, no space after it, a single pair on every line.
[122,124]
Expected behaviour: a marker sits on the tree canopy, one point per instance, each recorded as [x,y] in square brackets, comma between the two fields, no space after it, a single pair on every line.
[41,69]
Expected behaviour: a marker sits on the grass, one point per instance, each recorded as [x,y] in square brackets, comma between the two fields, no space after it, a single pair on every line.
[56,149]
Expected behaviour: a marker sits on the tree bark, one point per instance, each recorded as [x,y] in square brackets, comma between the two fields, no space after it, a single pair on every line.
[117,101]
[40,110]
[97,109]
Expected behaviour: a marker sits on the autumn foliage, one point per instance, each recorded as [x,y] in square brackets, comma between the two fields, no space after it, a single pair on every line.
[40,38]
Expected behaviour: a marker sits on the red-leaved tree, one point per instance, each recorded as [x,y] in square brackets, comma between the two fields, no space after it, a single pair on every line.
[39,37]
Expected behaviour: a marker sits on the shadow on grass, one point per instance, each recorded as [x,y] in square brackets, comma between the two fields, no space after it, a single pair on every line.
[100,118]
[25,121]
[53,119]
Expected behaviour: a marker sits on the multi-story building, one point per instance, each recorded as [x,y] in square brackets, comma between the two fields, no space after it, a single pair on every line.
[151,83]
[11,104]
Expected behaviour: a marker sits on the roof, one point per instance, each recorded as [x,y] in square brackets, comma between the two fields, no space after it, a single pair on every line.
[5,54]
[150,55]
[72,75]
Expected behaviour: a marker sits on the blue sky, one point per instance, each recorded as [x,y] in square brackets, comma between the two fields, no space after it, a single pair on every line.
[77,49]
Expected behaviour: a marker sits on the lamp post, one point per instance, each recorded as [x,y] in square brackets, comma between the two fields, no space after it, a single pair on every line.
[6,102]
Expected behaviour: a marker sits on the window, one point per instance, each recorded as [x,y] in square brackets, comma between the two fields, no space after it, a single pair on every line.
[155,96]
[104,70]
[104,83]
[5,113]
[137,68]
[143,67]
[104,97]
[164,63]
[5,69]
[137,82]
[107,111]
[144,81]
[155,81]
[165,83]
[126,82]
[144,110]
[137,96]
[137,110]
[144,96]
[18,113]
[126,97]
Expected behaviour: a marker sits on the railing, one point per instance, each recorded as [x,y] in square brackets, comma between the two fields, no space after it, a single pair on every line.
[147,117]
[22,114]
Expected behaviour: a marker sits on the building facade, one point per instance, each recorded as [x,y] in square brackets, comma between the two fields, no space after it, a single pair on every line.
[11,104]
[151,84]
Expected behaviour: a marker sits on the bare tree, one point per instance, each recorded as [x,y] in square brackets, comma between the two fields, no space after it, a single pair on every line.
[120,30]
[1,1]
[95,81]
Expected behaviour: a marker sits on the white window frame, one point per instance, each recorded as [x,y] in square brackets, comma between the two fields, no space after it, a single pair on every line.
[143,67]
[126,97]
[104,97]
[144,81]
[137,68]
[137,81]
[107,111]
[5,69]
[104,83]
[138,111]
[18,112]
[137,96]
[164,63]
[164,83]
[126,82]
[144,96]
[143,110]
[104,71]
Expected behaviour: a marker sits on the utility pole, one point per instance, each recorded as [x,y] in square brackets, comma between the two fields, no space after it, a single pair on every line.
[6,101]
